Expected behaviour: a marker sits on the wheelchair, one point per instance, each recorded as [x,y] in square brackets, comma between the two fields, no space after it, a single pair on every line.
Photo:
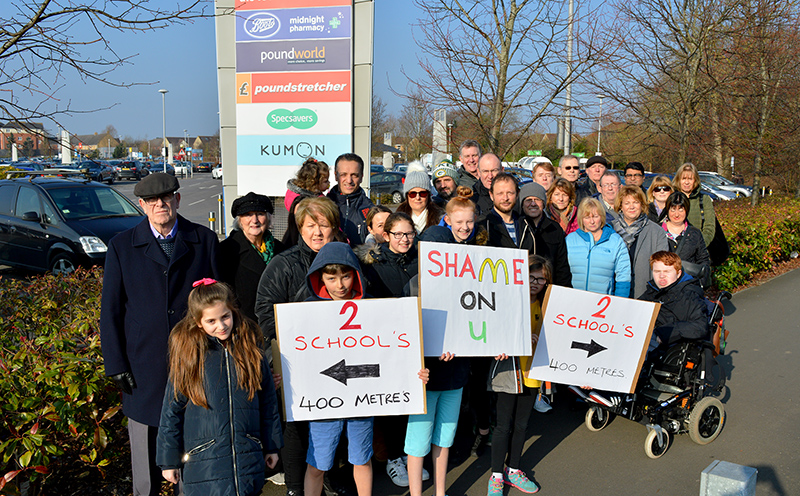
[676,392]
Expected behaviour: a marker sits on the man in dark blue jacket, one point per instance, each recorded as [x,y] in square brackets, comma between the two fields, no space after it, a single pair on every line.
[149,271]
[351,199]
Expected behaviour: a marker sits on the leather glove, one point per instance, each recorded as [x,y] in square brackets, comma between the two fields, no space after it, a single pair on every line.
[124,381]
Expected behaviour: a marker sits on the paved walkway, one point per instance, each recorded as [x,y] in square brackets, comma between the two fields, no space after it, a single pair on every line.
[762,429]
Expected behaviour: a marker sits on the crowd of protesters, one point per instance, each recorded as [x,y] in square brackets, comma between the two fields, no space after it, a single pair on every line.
[588,232]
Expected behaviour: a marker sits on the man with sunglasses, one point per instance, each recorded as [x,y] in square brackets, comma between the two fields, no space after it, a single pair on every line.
[569,168]
[149,271]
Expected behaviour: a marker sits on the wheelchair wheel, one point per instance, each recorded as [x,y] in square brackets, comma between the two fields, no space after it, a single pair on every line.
[651,446]
[706,420]
[597,419]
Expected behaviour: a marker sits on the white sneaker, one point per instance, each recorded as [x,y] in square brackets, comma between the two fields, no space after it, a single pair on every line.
[542,404]
[397,471]
[278,479]
[425,474]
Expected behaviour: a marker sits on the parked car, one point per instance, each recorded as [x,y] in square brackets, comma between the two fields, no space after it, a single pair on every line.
[53,224]
[721,182]
[159,167]
[375,168]
[181,168]
[522,176]
[216,172]
[401,168]
[388,183]
[97,171]
[131,169]
[203,167]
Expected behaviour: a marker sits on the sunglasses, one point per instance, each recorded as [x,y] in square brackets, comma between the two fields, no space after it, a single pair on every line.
[422,194]
[661,189]
[567,167]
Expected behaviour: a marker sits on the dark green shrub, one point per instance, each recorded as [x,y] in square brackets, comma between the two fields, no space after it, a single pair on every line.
[58,411]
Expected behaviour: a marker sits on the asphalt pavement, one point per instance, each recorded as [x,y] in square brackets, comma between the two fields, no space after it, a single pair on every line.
[198,196]
[761,403]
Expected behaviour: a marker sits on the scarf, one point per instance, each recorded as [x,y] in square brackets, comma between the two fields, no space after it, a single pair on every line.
[267,248]
[672,237]
[630,232]
[565,217]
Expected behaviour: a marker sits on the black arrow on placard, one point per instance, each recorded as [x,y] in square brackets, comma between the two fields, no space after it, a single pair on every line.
[592,348]
[341,372]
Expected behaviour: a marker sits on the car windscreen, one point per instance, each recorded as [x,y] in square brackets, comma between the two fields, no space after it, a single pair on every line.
[82,203]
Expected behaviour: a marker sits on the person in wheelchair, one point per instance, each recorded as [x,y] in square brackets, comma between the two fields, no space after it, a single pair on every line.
[684,313]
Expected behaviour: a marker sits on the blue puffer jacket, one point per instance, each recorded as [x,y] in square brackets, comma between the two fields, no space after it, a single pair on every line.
[603,267]
[220,449]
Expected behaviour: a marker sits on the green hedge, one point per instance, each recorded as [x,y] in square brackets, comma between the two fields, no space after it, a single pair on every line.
[58,412]
[759,237]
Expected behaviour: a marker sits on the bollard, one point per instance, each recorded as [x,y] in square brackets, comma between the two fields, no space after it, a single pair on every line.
[728,479]
[212,221]
[221,215]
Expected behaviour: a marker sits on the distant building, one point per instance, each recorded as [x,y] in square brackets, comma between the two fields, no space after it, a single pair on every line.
[20,132]
[85,144]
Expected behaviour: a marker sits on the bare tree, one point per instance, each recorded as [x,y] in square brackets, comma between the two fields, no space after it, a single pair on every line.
[382,121]
[416,125]
[496,60]
[662,68]
[45,42]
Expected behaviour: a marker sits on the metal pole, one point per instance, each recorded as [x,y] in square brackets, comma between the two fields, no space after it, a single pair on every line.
[164,125]
[599,123]
[212,221]
[221,206]
[568,102]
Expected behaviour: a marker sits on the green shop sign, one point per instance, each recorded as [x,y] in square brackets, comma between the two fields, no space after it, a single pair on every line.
[301,118]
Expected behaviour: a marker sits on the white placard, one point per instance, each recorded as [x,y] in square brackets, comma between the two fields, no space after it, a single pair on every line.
[475,300]
[353,358]
[590,339]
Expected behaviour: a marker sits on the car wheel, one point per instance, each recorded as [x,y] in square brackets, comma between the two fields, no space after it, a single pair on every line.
[110,180]
[62,264]
[397,197]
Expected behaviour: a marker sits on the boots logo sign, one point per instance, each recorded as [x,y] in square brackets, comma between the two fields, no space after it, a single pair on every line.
[301,118]
[262,25]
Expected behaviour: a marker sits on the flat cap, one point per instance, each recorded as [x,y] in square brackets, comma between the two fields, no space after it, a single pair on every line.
[597,159]
[251,202]
[156,184]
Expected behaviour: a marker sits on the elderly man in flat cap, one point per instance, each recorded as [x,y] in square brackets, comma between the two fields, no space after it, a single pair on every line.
[149,271]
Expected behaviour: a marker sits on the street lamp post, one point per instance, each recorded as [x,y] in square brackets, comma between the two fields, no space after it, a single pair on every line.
[599,123]
[164,125]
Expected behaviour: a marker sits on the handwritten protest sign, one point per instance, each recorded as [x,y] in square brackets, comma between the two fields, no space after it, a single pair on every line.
[589,339]
[475,300]
[352,358]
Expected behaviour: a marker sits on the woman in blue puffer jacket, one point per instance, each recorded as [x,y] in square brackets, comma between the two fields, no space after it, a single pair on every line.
[598,257]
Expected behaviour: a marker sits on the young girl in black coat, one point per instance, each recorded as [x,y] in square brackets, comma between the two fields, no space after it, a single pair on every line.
[219,420]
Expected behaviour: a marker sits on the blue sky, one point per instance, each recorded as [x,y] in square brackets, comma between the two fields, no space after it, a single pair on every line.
[182,60]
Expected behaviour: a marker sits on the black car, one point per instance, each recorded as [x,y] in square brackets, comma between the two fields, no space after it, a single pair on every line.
[53,224]
[387,183]
[159,167]
[131,169]
[203,167]
[97,171]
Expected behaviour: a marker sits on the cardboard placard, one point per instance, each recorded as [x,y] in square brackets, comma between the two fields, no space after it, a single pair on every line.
[350,358]
[475,300]
[590,339]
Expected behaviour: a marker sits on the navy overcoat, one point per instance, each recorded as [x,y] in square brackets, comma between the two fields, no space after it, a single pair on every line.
[144,296]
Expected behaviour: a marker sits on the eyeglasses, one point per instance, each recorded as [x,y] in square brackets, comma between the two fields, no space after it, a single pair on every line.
[610,185]
[575,167]
[631,176]
[400,235]
[538,280]
[165,198]
[422,194]
[661,189]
